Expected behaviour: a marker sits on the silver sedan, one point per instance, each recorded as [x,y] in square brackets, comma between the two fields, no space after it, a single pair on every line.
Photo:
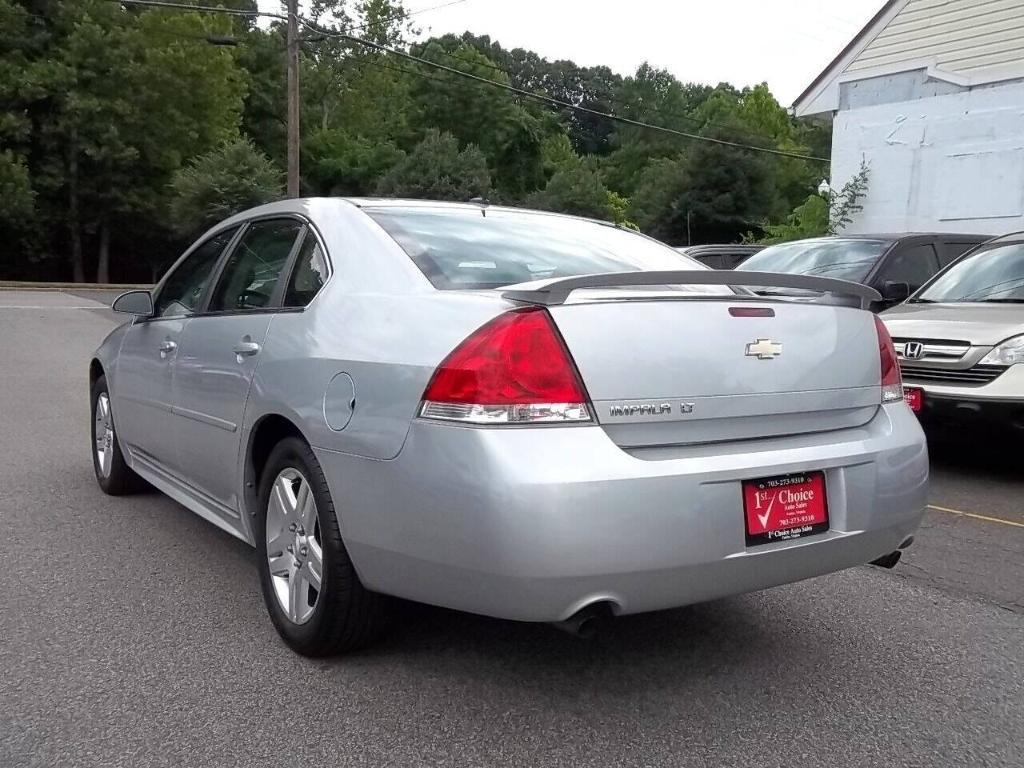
[513,413]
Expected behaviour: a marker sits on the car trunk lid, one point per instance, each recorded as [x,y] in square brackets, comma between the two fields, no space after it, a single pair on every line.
[665,371]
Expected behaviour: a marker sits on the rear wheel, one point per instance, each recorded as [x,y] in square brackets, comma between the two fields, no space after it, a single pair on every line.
[310,586]
[113,474]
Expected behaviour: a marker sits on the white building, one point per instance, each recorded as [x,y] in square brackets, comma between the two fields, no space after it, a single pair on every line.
[931,94]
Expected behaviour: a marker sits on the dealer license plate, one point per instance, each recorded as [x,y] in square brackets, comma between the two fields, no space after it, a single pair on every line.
[785,507]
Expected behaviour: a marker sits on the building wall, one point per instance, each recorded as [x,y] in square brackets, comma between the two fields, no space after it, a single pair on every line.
[951,163]
[961,36]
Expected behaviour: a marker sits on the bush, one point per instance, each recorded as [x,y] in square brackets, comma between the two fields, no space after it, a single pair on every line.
[437,169]
[576,190]
[221,183]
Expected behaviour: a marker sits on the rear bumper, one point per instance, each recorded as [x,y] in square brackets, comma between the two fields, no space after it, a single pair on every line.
[534,524]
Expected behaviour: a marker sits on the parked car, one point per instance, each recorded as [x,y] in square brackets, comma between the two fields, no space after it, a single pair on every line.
[720,256]
[383,398]
[960,339]
[894,265]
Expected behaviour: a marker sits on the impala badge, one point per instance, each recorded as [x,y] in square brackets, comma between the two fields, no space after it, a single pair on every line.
[764,349]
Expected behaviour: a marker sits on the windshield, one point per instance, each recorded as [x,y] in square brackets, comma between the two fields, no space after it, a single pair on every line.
[843,258]
[467,248]
[992,274]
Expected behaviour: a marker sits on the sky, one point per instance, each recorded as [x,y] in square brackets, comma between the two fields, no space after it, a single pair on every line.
[785,43]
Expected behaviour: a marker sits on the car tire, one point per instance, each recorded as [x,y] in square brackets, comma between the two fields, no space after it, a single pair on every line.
[113,474]
[344,615]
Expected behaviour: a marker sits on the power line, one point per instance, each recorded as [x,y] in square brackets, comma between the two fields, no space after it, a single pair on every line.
[660,111]
[477,78]
[558,102]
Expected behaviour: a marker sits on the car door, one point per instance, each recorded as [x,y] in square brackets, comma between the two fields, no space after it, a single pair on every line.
[145,365]
[218,355]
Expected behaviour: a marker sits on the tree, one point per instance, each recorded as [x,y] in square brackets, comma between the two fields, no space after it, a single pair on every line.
[508,133]
[116,101]
[335,162]
[576,190]
[654,204]
[220,183]
[437,169]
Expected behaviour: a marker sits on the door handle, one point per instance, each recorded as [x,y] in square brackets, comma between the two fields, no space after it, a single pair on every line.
[246,348]
[167,347]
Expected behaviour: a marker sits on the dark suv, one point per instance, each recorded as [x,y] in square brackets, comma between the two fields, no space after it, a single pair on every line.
[894,265]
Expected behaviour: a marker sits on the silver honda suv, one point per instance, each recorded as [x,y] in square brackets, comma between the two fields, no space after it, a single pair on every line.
[960,339]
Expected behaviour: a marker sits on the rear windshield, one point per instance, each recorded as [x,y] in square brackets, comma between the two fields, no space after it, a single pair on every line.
[843,258]
[465,248]
[991,274]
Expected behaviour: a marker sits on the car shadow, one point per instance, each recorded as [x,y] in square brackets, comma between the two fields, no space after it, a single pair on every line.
[692,635]
[984,455]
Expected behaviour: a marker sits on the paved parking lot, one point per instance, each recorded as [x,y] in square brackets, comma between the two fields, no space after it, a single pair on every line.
[133,634]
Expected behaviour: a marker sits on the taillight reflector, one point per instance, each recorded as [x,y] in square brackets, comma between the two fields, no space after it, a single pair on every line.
[514,369]
[892,382]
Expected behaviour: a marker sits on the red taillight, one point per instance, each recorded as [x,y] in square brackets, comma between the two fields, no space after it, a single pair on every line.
[892,383]
[514,369]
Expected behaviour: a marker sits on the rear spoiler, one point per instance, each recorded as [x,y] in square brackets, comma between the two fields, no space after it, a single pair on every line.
[557,291]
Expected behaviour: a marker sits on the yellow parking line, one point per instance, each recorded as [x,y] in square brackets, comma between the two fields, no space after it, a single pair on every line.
[976,516]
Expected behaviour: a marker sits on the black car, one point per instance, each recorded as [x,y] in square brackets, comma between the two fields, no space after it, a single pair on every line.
[895,265]
[720,256]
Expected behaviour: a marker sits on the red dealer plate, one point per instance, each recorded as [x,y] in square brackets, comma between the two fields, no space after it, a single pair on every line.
[785,507]
[914,397]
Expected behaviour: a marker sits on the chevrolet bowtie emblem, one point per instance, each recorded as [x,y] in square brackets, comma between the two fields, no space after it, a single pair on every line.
[764,349]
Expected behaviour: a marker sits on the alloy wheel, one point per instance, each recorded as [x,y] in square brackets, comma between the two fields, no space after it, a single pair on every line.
[294,545]
[104,435]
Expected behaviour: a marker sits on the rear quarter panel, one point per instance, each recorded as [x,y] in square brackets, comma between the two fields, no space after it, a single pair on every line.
[389,345]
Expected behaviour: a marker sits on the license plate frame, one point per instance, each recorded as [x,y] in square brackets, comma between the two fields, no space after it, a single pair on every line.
[914,397]
[771,516]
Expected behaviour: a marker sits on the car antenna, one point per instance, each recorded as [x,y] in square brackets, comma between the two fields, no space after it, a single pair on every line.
[483,202]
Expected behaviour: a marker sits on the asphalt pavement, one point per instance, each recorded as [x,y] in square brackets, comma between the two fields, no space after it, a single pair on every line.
[133,634]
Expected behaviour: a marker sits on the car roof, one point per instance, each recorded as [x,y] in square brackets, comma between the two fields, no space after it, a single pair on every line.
[893,237]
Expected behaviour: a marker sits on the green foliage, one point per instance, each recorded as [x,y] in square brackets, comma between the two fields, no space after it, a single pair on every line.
[818,215]
[654,204]
[577,190]
[336,163]
[437,169]
[619,208]
[220,183]
[809,219]
[115,121]
[845,203]
[556,153]
[15,190]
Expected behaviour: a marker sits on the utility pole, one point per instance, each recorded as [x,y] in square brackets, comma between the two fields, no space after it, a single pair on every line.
[293,98]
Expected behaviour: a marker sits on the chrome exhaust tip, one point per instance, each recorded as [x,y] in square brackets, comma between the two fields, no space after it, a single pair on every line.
[588,622]
[888,561]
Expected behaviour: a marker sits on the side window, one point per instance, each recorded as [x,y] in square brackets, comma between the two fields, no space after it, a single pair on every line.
[183,289]
[950,251]
[309,275]
[913,265]
[254,267]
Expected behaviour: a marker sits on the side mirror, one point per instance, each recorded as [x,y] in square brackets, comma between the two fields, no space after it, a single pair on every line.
[895,291]
[138,303]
